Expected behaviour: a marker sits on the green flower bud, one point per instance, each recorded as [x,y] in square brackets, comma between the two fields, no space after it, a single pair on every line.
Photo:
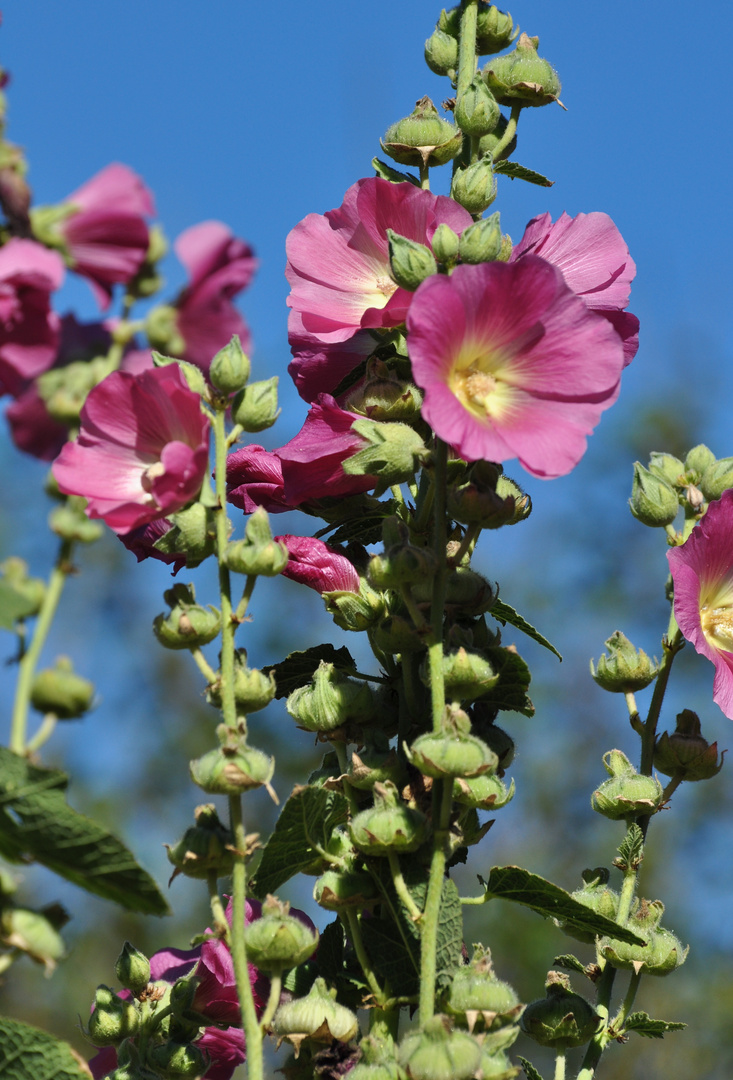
[441,52]
[478,997]
[338,847]
[393,453]
[685,753]
[653,502]
[384,396]
[522,502]
[339,889]
[663,952]
[562,1019]
[697,461]
[65,389]
[255,407]
[486,792]
[258,553]
[15,583]
[331,700]
[376,765]
[205,847]
[467,676]
[494,28]
[174,1059]
[71,523]
[253,689]
[233,768]
[355,611]
[628,793]
[476,111]
[437,1052]
[445,243]
[488,143]
[61,691]
[188,626]
[161,330]
[317,1017]
[401,566]
[480,243]
[132,969]
[595,895]
[474,186]
[192,533]
[113,1019]
[410,263]
[396,634]
[389,825]
[494,1064]
[626,669]
[278,941]
[717,478]
[451,755]
[668,467]
[466,592]
[422,138]
[230,368]
[194,376]
[522,76]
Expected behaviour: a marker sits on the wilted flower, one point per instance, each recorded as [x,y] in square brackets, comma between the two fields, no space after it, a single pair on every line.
[29,330]
[317,565]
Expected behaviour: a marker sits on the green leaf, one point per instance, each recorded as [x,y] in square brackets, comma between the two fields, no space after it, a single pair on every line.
[510,692]
[14,605]
[505,614]
[37,823]
[515,171]
[631,848]
[365,529]
[305,825]
[522,887]
[298,668]
[570,963]
[642,1024]
[386,172]
[27,1053]
[529,1070]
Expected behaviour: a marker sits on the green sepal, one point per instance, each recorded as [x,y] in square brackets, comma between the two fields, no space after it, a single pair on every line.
[193,375]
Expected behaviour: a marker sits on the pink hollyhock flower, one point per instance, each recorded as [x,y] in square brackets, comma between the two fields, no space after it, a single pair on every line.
[318,367]
[141,542]
[513,363]
[255,478]
[142,451]
[29,330]
[320,567]
[338,262]
[219,266]
[105,231]
[595,262]
[312,461]
[702,572]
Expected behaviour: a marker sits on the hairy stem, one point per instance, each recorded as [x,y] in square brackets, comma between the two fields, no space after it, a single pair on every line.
[443,801]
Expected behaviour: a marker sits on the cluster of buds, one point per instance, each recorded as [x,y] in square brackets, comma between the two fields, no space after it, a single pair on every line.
[663,951]
[233,767]
[668,483]
[188,625]
[626,669]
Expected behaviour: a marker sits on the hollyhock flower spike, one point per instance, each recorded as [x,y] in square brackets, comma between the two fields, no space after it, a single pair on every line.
[702,572]
[338,262]
[595,262]
[513,364]
[29,330]
[142,451]
[318,566]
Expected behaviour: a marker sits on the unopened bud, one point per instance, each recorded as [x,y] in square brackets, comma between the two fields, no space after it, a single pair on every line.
[562,1019]
[71,523]
[61,691]
[393,452]
[255,407]
[355,611]
[686,753]
[422,138]
[667,467]
[596,895]
[697,461]
[522,76]
[278,941]
[132,969]
[445,244]
[626,669]
[653,502]
[486,792]
[663,952]
[447,755]
[258,553]
[113,1019]
[317,1016]
[488,143]
[172,1059]
[627,793]
[230,368]
[482,241]
[717,478]
[233,768]
[188,625]
[410,263]
[389,825]
[438,1052]
[477,112]
[331,700]
[205,847]
[474,186]
[441,52]
[339,889]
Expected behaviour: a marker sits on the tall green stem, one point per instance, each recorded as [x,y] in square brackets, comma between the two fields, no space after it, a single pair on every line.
[228,625]
[437,611]
[467,46]
[671,645]
[443,802]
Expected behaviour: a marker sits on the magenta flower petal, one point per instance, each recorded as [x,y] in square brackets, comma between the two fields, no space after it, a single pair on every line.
[513,364]
[318,367]
[315,564]
[29,330]
[702,572]
[255,478]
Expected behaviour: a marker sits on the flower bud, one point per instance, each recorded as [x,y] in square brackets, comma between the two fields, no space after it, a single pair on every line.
[396,634]
[667,467]
[476,111]
[253,689]
[205,847]
[389,825]
[451,755]
[697,461]
[481,242]
[595,895]
[61,691]
[522,502]
[161,330]
[625,669]
[71,523]
[422,138]
[258,553]
[113,1019]
[188,626]
[14,582]
[494,28]
[376,765]
[445,244]
[65,389]
[441,52]
[255,407]
[410,263]
[393,452]
[230,368]
[467,676]
[663,952]
[486,792]
[233,768]
[192,534]
[685,753]
[437,1052]
[488,143]
[355,611]
[174,1059]
[717,478]
[339,889]
[331,700]
[562,1019]
[628,793]
[401,566]
[477,995]
[317,1017]
[465,591]
[132,969]
[522,76]
[384,396]
[278,941]
[653,502]
[474,186]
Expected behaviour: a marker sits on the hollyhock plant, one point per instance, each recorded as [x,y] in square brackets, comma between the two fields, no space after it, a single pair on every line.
[142,451]
[702,572]
[513,363]
[29,330]
[320,567]
[338,262]
[595,262]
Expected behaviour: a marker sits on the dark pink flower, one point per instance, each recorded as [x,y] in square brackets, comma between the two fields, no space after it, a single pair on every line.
[338,262]
[216,994]
[513,363]
[142,451]
[595,262]
[141,542]
[320,567]
[255,478]
[219,266]
[702,572]
[312,461]
[29,330]
[106,233]
[318,368]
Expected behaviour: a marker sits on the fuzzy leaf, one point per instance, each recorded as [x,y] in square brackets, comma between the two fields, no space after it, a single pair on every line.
[642,1024]
[13,605]
[365,529]
[510,692]
[298,668]
[386,172]
[305,824]
[631,848]
[529,1070]
[27,1053]
[36,823]
[522,887]
[515,171]
[569,962]
[505,614]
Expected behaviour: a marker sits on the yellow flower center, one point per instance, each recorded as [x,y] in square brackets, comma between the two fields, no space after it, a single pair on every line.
[717,626]
[386,286]
[482,383]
